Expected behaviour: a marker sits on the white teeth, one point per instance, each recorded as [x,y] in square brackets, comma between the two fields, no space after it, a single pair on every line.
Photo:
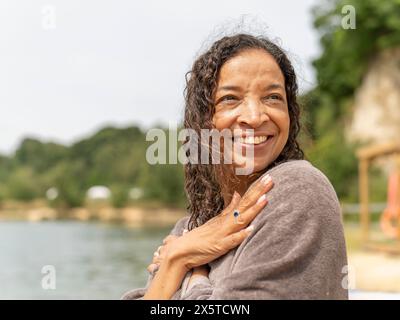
[253,140]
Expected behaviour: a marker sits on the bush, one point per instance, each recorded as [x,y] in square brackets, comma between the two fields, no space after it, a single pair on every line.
[23,185]
[119,196]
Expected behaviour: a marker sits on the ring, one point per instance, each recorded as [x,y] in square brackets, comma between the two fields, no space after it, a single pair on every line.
[236,214]
[157,252]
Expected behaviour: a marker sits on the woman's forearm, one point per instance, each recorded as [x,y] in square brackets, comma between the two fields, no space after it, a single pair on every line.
[167,280]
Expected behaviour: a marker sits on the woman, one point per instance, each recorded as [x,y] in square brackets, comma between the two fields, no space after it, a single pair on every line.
[273,234]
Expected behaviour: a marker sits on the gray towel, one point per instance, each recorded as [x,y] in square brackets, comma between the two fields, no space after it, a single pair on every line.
[296,250]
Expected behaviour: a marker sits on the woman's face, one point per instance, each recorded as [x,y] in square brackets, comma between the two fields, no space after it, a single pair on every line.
[251,94]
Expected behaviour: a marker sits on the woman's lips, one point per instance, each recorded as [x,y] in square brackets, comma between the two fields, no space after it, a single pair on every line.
[256,146]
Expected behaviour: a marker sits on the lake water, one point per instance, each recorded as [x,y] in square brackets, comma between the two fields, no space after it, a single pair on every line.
[91,260]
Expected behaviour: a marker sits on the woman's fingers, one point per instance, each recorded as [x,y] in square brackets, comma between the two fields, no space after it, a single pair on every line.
[157,259]
[232,205]
[247,216]
[262,186]
[254,210]
[250,204]
[169,238]
[157,255]
[151,267]
[233,240]
[257,190]
[158,251]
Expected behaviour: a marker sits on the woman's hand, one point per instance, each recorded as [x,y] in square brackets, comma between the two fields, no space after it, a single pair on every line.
[207,242]
[220,234]
[159,254]
[174,272]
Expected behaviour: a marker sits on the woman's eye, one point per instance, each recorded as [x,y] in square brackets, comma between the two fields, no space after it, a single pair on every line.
[275,97]
[229,98]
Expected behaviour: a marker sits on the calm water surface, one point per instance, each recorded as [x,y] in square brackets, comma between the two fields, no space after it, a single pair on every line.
[92,260]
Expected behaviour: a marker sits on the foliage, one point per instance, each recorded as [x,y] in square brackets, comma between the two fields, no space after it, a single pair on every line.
[346,54]
[116,157]
[23,184]
[112,157]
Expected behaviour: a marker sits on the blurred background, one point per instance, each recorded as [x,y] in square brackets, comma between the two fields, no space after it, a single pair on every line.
[83,81]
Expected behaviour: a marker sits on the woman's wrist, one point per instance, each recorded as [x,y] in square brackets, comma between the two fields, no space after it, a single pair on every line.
[167,280]
[175,256]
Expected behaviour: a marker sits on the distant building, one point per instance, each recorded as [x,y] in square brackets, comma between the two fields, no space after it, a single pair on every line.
[52,194]
[98,193]
[135,193]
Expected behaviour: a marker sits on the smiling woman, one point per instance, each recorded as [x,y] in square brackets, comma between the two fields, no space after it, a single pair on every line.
[255,86]
[275,233]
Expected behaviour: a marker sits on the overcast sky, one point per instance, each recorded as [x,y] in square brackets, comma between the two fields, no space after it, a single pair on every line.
[69,67]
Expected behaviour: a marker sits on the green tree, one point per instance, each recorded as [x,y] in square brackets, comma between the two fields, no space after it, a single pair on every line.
[345,56]
[23,185]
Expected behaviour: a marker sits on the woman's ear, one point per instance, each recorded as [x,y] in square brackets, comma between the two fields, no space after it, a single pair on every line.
[213,120]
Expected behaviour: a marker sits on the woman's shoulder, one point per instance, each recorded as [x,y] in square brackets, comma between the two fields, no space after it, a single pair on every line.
[294,166]
[298,170]
[302,196]
[301,176]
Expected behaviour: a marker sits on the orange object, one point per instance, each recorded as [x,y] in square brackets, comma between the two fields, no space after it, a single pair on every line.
[390,219]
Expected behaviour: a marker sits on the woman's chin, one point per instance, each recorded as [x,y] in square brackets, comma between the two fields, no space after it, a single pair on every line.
[249,166]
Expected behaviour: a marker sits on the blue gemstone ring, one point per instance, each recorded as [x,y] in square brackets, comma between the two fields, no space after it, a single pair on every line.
[236,214]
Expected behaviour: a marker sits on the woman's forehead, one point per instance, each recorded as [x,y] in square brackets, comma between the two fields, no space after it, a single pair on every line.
[250,65]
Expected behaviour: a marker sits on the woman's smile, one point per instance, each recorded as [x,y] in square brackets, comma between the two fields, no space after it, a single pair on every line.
[259,143]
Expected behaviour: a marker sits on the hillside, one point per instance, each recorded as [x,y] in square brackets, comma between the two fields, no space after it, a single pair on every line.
[112,157]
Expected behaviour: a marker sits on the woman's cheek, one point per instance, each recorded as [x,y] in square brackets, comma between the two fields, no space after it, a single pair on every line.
[282,120]
[224,119]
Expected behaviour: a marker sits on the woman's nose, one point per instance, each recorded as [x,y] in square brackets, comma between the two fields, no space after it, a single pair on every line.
[252,113]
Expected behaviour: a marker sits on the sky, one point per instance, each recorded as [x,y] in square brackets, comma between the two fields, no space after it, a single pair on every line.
[71,67]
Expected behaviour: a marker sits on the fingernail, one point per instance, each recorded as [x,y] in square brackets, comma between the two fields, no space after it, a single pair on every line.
[249,228]
[266,179]
[154,267]
[262,198]
[235,195]
[156,254]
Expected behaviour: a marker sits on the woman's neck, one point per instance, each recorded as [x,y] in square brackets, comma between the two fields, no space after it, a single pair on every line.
[241,187]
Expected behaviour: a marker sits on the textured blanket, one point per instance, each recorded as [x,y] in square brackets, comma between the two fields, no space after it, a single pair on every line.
[296,250]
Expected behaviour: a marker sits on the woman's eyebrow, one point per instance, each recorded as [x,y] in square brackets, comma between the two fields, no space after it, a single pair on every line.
[238,88]
[274,86]
[229,88]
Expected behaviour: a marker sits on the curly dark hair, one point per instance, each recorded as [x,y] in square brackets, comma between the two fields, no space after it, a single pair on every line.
[204,182]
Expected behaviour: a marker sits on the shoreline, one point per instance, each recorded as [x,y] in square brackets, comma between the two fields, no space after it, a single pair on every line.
[132,215]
